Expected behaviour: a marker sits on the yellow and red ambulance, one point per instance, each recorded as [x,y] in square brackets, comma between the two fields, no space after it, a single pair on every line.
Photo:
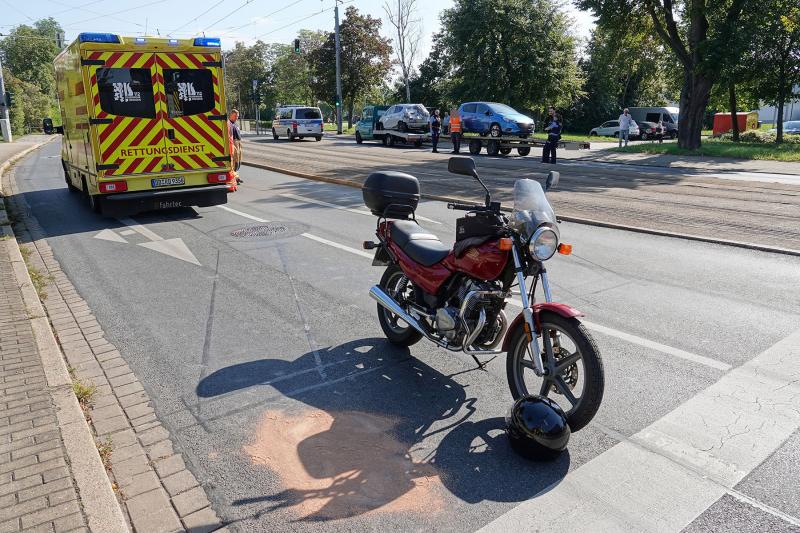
[144,122]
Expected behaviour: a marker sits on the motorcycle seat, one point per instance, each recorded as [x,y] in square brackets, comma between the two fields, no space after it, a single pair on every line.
[420,245]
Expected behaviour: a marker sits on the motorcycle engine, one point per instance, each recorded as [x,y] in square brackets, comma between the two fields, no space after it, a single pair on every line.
[448,321]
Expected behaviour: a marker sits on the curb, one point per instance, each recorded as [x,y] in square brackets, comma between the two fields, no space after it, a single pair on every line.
[97,497]
[575,220]
[594,158]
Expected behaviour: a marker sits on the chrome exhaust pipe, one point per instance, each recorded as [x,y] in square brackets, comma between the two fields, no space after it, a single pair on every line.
[389,303]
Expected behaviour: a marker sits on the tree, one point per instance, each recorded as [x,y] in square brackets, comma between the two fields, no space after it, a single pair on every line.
[365,60]
[697,32]
[431,84]
[28,52]
[291,73]
[408,30]
[776,55]
[519,52]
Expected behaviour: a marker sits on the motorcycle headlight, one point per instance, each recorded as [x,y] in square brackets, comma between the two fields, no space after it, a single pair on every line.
[544,243]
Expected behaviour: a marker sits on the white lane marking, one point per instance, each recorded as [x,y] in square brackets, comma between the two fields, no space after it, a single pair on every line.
[337,245]
[343,208]
[646,343]
[761,177]
[172,247]
[110,235]
[141,230]
[669,473]
[127,232]
[695,358]
[241,214]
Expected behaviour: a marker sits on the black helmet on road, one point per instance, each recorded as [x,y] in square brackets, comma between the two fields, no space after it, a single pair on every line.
[537,427]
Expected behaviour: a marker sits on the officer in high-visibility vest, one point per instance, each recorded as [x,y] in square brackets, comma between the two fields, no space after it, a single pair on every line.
[455,130]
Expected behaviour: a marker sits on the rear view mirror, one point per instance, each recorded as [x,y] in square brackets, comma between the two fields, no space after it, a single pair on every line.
[552,180]
[461,165]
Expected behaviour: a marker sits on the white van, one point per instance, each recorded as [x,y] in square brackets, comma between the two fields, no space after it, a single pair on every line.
[297,122]
[668,115]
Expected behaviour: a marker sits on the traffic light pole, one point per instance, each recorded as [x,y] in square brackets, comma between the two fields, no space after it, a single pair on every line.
[338,75]
[5,123]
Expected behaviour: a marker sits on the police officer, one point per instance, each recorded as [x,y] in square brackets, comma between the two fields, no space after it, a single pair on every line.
[455,130]
[553,129]
[436,126]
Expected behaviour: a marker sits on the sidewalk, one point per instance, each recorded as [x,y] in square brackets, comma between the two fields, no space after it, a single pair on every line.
[9,150]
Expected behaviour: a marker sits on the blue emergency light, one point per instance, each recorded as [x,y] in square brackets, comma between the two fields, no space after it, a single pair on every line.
[140,40]
[98,38]
[207,41]
[173,42]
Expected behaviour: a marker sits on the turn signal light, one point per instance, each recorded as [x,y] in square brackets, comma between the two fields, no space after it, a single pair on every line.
[564,248]
[217,178]
[113,186]
[505,244]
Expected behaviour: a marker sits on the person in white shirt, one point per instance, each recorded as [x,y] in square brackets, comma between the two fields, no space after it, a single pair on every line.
[625,123]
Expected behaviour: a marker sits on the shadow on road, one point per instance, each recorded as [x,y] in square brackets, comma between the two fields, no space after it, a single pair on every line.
[379,432]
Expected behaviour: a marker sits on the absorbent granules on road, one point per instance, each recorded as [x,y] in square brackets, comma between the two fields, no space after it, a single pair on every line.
[342,464]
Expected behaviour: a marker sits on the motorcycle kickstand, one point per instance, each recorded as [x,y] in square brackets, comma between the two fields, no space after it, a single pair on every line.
[482,364]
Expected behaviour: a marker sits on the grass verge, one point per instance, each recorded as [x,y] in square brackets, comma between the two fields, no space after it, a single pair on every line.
[38,279]
[771,152]
[84,393]
[105,449]
[331,126]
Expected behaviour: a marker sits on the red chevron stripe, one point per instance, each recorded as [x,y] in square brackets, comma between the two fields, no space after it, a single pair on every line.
[177,60]
[130,169]
[180,161]
[121,137]
[215,143]
[133,59]
[152,164]
[142,134]
[112,59]
[157,138]
[109,129]
[175,124]
[209,57]
[95,55]
[199,160]
[193,58]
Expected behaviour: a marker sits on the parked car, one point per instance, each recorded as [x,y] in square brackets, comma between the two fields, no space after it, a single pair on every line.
[405,117]
[491,118]
[648,130]
[667,115]
[297,122]
[611,129]
[791,127]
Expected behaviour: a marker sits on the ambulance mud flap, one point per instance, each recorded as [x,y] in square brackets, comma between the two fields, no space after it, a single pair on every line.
[136,202]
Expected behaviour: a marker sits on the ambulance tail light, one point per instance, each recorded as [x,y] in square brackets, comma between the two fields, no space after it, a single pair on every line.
[217,178]
[113,186]
[208,41]
[98,38]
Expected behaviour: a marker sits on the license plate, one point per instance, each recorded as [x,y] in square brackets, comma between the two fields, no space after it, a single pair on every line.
[167,182]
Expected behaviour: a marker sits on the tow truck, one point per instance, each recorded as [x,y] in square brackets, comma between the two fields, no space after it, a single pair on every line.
[367,129]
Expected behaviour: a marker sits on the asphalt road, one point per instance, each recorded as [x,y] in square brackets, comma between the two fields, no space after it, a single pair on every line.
[253,332]
[747,207]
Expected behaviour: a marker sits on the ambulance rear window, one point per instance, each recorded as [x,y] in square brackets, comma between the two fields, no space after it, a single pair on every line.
[189,91]
[127,92]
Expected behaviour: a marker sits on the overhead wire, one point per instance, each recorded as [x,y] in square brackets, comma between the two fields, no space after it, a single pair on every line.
[15,8]
[73,24]
[299,20]
[72,8]
[95,12]
[260,18]
[169,34]
[247,2]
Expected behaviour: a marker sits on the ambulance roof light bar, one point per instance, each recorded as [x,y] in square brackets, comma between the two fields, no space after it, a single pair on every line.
[140,40]
[98,38]
[207,41]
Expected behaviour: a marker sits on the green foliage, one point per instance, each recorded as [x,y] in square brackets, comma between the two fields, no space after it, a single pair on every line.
[365,60]
[30,105]
[519,52]
[715,148]
[243,64]
[759,137]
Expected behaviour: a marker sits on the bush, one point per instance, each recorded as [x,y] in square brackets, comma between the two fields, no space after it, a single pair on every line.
[758,137]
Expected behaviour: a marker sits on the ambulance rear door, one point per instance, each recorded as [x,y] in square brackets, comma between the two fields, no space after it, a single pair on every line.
[126,118]
[195,124]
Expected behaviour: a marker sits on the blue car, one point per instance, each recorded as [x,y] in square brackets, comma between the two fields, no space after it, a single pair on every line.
[491,118]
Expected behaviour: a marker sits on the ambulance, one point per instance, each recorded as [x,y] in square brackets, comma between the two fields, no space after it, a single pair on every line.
[144,122]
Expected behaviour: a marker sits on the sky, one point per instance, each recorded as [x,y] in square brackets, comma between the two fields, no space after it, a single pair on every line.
[232,20]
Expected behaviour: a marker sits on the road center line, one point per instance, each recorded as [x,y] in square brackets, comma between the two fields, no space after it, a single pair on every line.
[669,473]
[343,208]
[669,350]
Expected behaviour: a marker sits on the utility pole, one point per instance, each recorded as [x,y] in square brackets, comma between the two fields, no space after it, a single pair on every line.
[5,123]
[338,74]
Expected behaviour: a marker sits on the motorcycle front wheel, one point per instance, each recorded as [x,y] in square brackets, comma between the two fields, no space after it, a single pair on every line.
[575,378]
[395,283]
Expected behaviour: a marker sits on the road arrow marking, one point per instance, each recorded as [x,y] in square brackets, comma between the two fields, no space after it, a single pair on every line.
[174,248]
[109,235]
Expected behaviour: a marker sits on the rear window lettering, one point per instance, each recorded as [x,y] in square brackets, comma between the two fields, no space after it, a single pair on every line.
[189,91]
[126,92]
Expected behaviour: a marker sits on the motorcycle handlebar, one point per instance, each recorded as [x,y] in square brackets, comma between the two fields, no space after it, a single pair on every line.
[464,207]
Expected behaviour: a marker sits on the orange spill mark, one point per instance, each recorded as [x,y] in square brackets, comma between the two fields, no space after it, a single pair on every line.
[343,464]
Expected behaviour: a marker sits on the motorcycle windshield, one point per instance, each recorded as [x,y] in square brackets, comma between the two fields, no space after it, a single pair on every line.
[531,208]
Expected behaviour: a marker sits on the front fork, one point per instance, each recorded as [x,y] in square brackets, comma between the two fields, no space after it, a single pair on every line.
[527,312]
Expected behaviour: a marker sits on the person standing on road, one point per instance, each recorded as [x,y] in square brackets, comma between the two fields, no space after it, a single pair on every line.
[237,142]
[455,130]
[553,130]
[436,126]
[625,122]
[660,131]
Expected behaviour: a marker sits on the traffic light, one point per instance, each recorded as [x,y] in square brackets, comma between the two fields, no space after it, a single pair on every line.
[297,46]
[9,99]
[338,103]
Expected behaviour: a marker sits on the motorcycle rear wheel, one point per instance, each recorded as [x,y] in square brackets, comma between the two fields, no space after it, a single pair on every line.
[396,285]
[578,362]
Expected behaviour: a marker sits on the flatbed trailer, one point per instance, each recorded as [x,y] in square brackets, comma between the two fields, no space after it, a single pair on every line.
[392,138]
[505,144]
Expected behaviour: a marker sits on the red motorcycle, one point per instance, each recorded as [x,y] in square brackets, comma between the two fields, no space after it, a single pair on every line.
[457,297]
